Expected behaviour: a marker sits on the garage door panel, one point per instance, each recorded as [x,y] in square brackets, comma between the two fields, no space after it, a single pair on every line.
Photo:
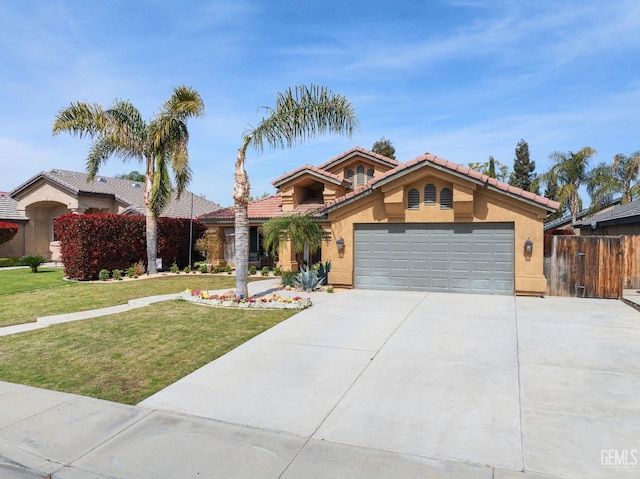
[444,257]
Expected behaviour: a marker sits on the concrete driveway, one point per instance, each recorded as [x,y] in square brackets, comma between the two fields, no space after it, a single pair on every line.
[381,384]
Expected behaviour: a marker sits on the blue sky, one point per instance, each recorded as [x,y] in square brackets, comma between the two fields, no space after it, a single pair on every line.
[462,79]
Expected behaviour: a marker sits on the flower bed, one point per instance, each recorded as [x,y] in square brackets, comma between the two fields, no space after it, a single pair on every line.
[272,301]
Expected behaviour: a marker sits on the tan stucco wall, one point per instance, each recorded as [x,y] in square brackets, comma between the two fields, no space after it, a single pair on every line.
[486,206]
[43,202]
[16,247]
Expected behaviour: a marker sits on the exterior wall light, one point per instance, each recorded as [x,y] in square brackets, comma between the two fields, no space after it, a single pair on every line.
[340,243]
[528,246]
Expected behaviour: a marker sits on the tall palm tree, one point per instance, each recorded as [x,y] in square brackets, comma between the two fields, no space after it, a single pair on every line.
[304,233]
[572,171]
[300,114]
[618,178]
[161,144]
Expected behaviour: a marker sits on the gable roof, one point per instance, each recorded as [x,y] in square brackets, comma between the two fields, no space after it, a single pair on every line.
[127,192]
[452,168]
[313,171]
[359,151]
[568,219]
[620,214]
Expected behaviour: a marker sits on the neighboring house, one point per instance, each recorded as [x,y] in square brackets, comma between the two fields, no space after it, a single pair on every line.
[50,194]
[620,220]
[428,224]
[566,222]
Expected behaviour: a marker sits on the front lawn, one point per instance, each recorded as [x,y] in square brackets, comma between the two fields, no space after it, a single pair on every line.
[25,296]
[128,357]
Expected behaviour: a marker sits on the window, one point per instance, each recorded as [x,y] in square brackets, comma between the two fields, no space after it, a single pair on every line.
[430,194]
[370,174]
[446,199]
[413,199]
[350,177]
[360,175]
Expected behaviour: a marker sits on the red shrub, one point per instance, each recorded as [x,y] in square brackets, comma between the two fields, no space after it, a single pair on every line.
[8,231]
[560,232]
[89,243]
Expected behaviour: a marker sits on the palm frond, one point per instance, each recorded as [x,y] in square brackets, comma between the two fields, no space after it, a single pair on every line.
[300,114]
[80,119]
[185,103]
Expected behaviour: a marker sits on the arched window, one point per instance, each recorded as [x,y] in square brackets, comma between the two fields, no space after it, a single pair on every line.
[370,174]
[413,199]
[430,194]
[360,175]
[446,199]
[350,177]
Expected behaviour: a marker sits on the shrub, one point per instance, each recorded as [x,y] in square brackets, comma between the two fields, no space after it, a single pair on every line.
[6,262]
[228,269]
[174,269]
[8,231]
[330,289]
[131,272]
[139,269]
[33,261]
[89,243]
[253,270]
[217,268]
[203,268]
[288,278]
[187,269]
[277,271]
[103,275]
[116,274]
[264,271]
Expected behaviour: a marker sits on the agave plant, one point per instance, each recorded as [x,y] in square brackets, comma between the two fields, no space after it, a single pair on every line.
[308,279]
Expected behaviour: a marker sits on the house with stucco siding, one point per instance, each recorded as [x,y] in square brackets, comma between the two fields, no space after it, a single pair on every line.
[427,224]
[36,203]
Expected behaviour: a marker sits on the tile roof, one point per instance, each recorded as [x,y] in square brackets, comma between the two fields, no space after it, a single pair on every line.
[272,206]
[627,213]
[261,208]
[127,192]
[467,173]
[358,150]
[9,209]
[313,170]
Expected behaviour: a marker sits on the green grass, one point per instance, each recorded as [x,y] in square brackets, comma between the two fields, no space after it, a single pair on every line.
[129,356]
[25,296]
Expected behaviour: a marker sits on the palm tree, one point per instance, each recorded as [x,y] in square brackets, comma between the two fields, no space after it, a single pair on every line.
[572,171]
[304,233]
[161,144]
[299,114]
[619,178]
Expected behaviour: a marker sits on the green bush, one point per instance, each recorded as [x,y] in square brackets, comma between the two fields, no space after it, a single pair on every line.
[203,268]
[330,289]
[289,278]
[264,271]
[228,269]
[103,275]
[131,272]
[253,270]
[116,274]
[217,268]
[187,269]
[174,269]
[33,261]
[6,262]
[277,271]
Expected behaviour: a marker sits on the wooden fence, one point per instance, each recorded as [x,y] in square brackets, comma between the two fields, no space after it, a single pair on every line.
[591,266]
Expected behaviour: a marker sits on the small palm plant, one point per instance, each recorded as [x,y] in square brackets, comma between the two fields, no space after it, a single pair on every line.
[33,261]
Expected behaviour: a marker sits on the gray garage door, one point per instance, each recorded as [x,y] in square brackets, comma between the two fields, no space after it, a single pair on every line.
[468,258]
